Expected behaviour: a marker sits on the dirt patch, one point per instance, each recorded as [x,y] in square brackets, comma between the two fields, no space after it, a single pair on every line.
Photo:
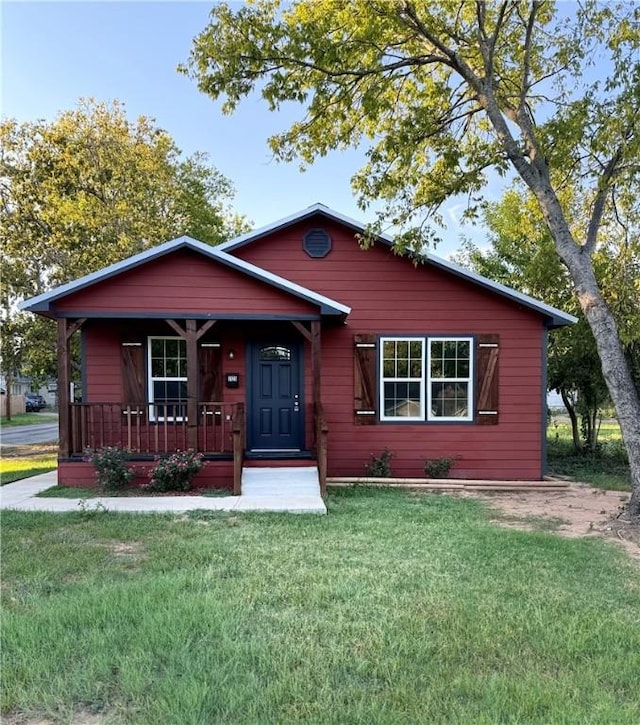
[578,510]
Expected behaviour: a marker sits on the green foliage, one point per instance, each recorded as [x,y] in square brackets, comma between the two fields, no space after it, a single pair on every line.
[112,472]
[521,256]
[89,189]
[174,472]
[379,466]
[438,467]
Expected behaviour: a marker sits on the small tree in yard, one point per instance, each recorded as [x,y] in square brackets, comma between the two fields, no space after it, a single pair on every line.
[442,92]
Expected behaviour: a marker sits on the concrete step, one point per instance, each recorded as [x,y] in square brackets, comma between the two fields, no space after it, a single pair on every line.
[287,489]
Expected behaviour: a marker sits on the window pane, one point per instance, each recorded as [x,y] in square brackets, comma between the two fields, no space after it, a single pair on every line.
[171,368]
[171,348]
[415,349]
[463,349]
[449,400]
[157,368]
[449,369]
[403,369]
[402,400]
[416,368]
[463,369]
[389,350]
[157,348]
[436,349]
[402,349]
[275,353]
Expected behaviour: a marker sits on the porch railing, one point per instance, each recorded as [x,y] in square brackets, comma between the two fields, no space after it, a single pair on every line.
[150,429]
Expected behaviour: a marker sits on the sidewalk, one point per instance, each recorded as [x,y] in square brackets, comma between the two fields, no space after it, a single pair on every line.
[282,490]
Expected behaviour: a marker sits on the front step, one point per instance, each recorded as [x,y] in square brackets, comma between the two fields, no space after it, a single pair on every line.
[281,488]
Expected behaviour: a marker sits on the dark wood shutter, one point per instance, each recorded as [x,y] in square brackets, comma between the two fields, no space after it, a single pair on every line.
[365,367]
[210,369]
[487,379]
[134,377]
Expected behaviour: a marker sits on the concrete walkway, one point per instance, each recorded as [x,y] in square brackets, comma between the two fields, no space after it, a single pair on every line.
[287,490]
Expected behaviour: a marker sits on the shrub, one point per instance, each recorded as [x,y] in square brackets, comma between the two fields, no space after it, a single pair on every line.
[438,467]
[174,472]
[112,472]
[379,466]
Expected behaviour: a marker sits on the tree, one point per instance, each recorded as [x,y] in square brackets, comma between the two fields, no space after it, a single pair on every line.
[87,190]
[521,256]
[441,92]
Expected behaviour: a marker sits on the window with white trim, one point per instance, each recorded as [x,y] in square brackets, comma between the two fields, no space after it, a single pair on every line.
[402,384]
[426,379]
[167,378]
[449,378]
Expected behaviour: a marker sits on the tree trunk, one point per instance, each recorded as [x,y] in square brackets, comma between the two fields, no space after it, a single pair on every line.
[575,430]
[615,368]
[9,383]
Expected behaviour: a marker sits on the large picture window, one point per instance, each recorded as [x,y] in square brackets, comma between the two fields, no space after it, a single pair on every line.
[167,378]
[426,379]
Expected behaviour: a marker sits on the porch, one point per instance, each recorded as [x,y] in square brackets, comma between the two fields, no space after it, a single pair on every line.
[146,431]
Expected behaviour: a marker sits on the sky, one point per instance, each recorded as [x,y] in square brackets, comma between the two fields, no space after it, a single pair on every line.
[54,53]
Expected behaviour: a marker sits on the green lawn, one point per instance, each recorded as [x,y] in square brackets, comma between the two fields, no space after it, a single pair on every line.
[14,469]
[394,608]
[27,419]
[607,468]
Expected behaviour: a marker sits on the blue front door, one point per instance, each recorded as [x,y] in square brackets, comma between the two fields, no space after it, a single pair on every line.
[275,410]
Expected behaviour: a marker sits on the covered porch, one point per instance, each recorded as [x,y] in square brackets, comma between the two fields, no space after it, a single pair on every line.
[203,397]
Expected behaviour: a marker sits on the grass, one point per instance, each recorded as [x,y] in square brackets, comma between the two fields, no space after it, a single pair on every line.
[396,608]
[607,468]
[15,469]
[27,419]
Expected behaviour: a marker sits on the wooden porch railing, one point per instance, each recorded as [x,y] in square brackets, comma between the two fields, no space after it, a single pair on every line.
[321,435]
[151,429]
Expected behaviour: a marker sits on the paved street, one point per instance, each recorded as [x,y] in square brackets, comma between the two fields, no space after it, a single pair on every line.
[25,434]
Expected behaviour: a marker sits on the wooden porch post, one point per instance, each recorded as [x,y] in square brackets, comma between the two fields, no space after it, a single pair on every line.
[192,384]
[65,332]
[316,357]
[64,444]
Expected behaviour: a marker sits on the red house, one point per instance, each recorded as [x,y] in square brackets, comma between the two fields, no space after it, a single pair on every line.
[293,343]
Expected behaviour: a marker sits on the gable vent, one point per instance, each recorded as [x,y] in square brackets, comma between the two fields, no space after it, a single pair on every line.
[316,243]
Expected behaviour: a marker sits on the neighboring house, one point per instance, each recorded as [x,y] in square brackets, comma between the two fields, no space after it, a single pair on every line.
[292,338]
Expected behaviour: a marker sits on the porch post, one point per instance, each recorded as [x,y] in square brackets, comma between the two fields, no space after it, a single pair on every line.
[316,357]
[192,384]
[64,444]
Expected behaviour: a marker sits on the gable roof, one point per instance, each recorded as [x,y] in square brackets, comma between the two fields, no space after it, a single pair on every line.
[43,302]
[554,316]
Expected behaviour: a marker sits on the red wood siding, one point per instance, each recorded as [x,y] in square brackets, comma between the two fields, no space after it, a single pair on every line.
[388,295]
[183,282]
[79,474]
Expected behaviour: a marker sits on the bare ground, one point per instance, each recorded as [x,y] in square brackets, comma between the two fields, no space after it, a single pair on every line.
[576,511]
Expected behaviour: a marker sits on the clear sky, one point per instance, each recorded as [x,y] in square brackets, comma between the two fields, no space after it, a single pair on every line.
[53,53]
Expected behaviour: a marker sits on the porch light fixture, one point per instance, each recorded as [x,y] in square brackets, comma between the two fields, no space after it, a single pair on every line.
[231,354]
[210,344]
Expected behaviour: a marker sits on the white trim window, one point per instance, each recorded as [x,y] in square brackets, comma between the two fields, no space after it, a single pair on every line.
[450,378]
[402,378]
[167,370]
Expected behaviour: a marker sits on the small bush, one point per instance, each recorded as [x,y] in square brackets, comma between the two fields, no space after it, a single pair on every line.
[112,472]
[174,472]
[438,467]
[379,466]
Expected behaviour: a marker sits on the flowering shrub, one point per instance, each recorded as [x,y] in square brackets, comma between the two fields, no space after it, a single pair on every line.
[112,472]
[174,472]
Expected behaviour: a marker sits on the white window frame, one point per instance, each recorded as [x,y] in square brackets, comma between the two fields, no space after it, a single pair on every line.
[469,380]
[151,379]
[383,379]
